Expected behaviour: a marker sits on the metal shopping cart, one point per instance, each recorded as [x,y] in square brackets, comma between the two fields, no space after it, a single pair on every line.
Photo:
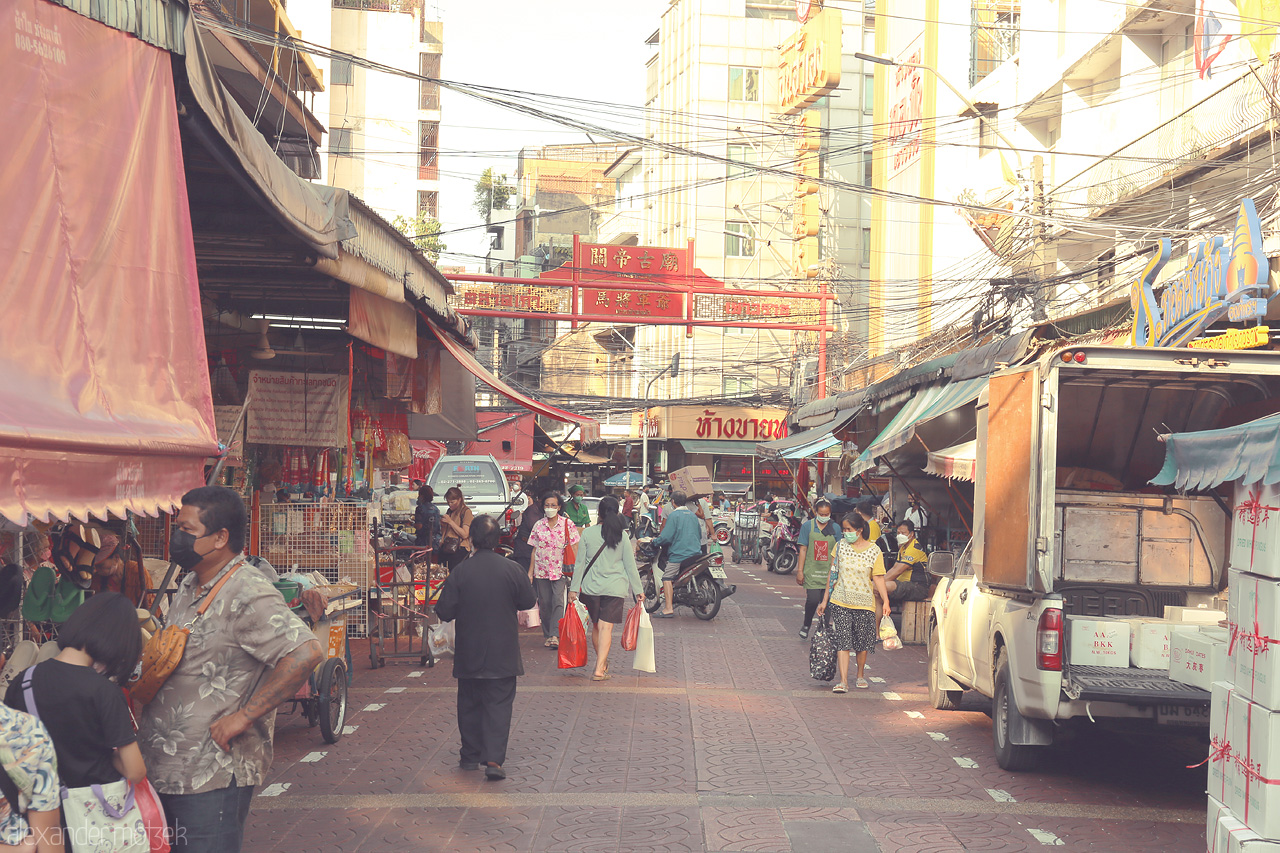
[746,535]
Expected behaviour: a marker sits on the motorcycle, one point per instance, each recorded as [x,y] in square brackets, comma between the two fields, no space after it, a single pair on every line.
[698,586]
[783,553]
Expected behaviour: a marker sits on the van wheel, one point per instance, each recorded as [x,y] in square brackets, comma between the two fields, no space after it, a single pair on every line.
[1009,755]
[942,700]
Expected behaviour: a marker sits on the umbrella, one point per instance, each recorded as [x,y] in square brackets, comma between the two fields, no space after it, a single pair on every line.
[626,479]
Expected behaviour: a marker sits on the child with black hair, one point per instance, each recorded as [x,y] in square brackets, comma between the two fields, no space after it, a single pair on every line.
[83,710]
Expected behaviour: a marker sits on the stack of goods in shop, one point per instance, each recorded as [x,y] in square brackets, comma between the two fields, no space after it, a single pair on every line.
[1186,642]
[1244,722]
[305,473]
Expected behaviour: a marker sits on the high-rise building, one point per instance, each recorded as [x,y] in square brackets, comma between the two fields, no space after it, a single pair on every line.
[383,137]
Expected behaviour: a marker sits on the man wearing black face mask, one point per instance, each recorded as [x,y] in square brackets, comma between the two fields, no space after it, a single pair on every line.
[206,736]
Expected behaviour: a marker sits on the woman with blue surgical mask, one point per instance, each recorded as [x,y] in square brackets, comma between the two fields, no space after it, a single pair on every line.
[858,571]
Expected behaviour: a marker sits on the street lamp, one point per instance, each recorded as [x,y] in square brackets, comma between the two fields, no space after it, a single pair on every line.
[969,105]
[674,369]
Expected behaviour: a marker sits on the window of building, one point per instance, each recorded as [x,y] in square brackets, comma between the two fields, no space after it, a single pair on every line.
[739,240]
[988,127]
[340,74]
[867,167]
[738,386]
[868,93]
[744,84]
[993,35]
[428,148]
[866,247]
[340,141]
[743,157]
[429,203]
[429,93]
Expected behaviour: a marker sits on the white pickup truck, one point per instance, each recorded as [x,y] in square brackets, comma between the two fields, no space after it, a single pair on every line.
[1065,523]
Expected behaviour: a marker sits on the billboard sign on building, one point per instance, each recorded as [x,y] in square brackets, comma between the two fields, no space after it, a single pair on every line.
[906,109]
[809,62]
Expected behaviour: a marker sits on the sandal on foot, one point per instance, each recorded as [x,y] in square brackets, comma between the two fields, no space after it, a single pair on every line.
[862,684]
[554,643]
[601,677]
[840,688]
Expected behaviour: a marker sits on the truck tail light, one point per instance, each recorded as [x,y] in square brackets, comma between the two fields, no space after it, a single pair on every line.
[1049,641]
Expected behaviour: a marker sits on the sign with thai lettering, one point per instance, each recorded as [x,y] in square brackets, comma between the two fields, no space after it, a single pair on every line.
[633,260]
[626,303]
[1254,336]
[730,423]
[809,62]
[1220,280]
[297,409]
[906,110]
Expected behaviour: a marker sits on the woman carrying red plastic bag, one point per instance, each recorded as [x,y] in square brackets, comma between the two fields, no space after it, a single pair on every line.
[605,578]
[573,638]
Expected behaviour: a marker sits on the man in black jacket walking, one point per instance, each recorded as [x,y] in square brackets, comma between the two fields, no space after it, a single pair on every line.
[484,593]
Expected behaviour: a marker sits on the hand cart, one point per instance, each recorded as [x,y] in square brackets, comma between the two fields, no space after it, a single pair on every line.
[323,698]
[746,535]
[402,604]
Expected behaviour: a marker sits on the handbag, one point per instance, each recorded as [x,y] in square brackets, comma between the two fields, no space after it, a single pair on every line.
[99,818]
[571,548]
[822,650]
[631,629]
[152,816]
[644,657]
[163,652]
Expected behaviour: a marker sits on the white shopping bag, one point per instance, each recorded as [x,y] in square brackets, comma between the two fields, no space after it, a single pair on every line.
[440,638]
[643,660]
[531,618]
[581,610]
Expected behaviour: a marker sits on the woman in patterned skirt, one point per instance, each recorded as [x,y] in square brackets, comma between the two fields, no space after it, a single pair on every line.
[857,570]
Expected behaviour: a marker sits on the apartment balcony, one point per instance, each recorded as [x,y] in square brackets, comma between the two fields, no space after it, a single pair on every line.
[623,227]
[1209,129]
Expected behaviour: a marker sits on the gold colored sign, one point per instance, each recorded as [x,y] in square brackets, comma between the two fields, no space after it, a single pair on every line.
[514,297]
[738,305]
[1254,336]
[809,62]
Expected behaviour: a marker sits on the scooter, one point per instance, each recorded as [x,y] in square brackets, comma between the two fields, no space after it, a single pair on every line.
[698,586]
[783,554]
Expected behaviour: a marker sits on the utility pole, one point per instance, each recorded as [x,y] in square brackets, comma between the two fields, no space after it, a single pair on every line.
[674,369]
[1043,262]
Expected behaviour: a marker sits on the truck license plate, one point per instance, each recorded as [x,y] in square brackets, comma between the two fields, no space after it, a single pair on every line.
[717,572]
[1182,715]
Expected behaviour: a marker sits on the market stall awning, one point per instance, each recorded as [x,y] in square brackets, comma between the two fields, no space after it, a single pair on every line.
[506,436]
[1201,460]
[802,445]
[927,404]
[105,404]
[589,426]
[958,462]
[721,447]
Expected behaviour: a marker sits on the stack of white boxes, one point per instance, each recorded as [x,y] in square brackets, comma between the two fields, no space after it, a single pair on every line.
[1244,717]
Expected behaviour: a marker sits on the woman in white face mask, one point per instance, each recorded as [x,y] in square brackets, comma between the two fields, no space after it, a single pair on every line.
[858,573]
[549,537]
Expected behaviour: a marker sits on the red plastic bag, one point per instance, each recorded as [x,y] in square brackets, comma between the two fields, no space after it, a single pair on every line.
[153,817]
[573,640]
[631,629]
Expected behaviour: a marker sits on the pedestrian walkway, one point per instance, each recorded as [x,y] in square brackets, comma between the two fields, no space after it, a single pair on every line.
[730,746]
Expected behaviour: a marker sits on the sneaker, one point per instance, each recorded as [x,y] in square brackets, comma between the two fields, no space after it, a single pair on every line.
[468,765]
[804,633]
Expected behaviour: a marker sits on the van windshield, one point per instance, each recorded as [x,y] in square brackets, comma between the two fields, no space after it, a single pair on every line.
[478,478]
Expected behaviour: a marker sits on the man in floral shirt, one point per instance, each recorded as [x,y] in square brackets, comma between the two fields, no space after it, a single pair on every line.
[206,736]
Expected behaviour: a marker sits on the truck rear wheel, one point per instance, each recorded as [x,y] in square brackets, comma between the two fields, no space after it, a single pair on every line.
[1009,755]
[942,700]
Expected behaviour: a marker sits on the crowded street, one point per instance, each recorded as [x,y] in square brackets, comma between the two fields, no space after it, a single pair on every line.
[729,746]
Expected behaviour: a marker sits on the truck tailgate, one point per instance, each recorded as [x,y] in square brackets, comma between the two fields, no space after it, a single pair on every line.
[1137,686]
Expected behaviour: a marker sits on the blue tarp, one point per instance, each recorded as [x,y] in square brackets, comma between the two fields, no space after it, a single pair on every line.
[626,479]
[1201,460]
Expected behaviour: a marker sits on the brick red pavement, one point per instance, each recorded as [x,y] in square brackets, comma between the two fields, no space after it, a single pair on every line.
[730,746]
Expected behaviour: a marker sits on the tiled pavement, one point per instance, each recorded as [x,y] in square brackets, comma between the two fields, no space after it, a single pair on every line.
[730,746]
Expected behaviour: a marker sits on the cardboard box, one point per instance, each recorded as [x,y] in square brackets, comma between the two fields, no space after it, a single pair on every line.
[1224,706]
[1255,529]
[1255,744]
[1149,643]
[1198,658]
[1194,615]
[1257,655]
[1226,833]
[1093,641]
[692,480]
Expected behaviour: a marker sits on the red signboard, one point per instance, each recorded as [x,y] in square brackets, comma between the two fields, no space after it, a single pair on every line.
[610,302]
[634,260]
[762,471]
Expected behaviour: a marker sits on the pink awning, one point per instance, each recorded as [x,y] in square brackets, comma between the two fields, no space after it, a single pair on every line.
[104,389]
[589,426]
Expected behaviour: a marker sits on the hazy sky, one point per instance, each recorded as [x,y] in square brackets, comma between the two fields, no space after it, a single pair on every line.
[572,48]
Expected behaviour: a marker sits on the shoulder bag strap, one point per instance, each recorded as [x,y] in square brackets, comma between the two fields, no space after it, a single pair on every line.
[592,561]
[209,596]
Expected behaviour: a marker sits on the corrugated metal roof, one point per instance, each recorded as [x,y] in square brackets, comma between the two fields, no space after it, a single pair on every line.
[154,21]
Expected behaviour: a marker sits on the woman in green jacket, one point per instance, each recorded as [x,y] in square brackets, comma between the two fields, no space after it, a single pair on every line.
[604,587]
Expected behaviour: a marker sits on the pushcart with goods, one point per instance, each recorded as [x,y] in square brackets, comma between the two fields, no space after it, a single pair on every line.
[323,697]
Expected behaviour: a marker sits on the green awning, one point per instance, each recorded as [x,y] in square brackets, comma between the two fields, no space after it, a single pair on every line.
[722,448]
[927,404]
[1201,460]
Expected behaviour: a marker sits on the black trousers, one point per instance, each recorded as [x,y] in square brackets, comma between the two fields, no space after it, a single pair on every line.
[484,718]
[812,598]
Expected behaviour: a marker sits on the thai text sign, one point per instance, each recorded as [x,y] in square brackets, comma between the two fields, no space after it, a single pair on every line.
[809,62]
[1254,336]
[1220,281]
[625,303]
[736,423]
[297,409]
[906,113]
[634,260]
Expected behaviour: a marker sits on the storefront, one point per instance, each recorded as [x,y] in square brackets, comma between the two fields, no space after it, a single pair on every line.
[723,438]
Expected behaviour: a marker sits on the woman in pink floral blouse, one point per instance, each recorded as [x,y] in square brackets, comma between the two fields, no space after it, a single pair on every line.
[549,537]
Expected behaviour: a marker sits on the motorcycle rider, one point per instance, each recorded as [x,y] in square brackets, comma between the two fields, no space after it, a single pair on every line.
[682,534]
[817,541]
